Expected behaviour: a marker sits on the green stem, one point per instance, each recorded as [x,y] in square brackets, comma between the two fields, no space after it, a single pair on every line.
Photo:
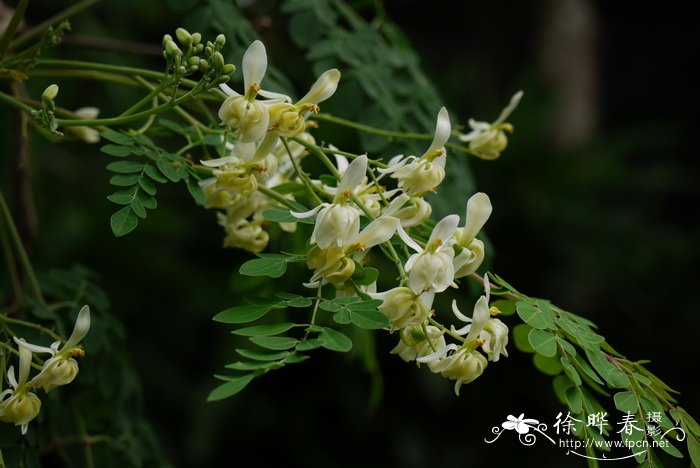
[276,196]
[313,149]
[149,97]
[12,27]
[16,353]
[35,326]
[21,252]
[129,118]
[304,178]
[104,67]
[83,74]
[352,156]
[11,267]
[315,311]
[446,330]
[41,27]
[11,101]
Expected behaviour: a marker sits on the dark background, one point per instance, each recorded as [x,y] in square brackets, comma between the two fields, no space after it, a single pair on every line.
[593,208]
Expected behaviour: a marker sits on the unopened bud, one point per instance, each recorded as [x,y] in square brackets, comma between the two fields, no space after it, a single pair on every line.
[194,61]
[50,93]
[196,38]
[167,38]
[218,60]
[204,65]
[228,69]
[220,40]
[183,36]
[172,48]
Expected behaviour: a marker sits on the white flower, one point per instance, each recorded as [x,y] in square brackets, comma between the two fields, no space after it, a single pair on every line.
[338,222]
[462,364]
[411,211]
[431,269]
[61,368]
[336,264]
[468,260]
[243,112]
[403,307]
[22,405]
[87,134]
[414,342]
[482,330]
[418,176]
[487,140]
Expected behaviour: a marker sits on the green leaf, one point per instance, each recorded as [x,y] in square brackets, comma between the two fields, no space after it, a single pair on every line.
[295,358]
[252,366]
[230,388]
[520,338]
[570,371]
[533,316]
[117,150]
[116,137]
[264,330]
[334,340]
[154,174]
[369,319]
[262,356]
[125,167]
[694,450]
[506,307]
[626,402]
[167,170]
[561,384]
[547,365]
[196,191]
[612,375]
[364,276]
[123,221]
[543,342]
[124,180]
[121,198]
[309,344]
[272,267]
[137,208]
[243,313]
[275,342]
[147,185]
[574,399]
[583,365]
[566,346]
[294,300]
[342,316]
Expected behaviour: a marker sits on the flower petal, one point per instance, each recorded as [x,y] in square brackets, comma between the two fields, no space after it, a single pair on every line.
[443,129]
[323,88]
[254,64]
[25,363]
[444,230]
[378,231]
[479,318]
[514,101]
[353,175]
[32,347]
[82,326]
[228,90]
[479,209]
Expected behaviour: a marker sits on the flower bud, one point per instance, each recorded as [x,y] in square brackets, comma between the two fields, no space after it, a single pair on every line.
[403,307]
[228,68]
[220,40]
[196,38]
[172,49]
[50,93]
[218,60]
[183,36]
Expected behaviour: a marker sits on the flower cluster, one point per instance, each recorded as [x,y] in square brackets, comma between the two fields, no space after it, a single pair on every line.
[19,404]
[258,158]
[356,214]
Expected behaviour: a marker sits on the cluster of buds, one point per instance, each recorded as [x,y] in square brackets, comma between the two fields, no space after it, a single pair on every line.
[19,404]
[192,56]
[45,115]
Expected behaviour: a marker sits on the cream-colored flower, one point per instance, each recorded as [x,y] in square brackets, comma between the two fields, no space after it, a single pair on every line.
[431,269]
[403,307]
[61,368]
[418,176]
[471,250]
[87,134]
[488,140]
[415,343]
[18,405]
[245,113]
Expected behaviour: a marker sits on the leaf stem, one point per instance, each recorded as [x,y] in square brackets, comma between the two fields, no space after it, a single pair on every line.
[35,326]
[19,248]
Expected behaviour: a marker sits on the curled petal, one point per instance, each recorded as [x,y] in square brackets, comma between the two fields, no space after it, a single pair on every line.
[479,317]
[34,348]
[409,242]
[378,231]
[228,90]
[444,230]
[82,326]
[310,213]
[323,88]
[274,98]
[443,129]
[218,162]
[25,362]
[505,113]
[353,175]
[254,64]
[478,211]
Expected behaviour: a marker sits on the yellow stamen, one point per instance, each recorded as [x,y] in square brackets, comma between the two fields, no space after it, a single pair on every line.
[77,352]
[494,311]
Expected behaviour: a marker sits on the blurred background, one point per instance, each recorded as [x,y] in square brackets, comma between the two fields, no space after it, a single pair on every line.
[593,209]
